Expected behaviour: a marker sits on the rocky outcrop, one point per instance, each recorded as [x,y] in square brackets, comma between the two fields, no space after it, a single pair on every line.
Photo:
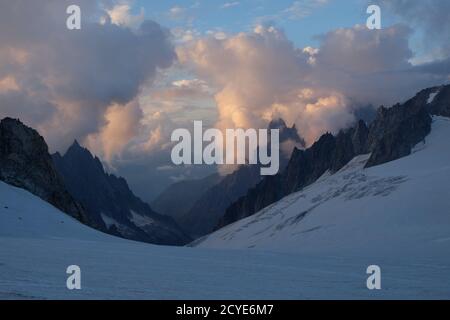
[110,202]
[438,100]
[398,129]
[26,163]
[392,135]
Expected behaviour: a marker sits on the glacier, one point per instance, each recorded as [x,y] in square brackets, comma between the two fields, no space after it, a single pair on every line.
[400,207]
[313,244]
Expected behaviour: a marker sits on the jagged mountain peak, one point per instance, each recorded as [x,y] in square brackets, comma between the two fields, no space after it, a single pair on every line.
[277,123]
[26,163]
[110,201]
[76,153]
[77,148]
[28,137]
[76,144]
[286,133]
[13,121]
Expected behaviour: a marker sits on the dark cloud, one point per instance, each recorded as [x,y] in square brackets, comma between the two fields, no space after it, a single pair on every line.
[66,80]
[432,17]
[373,66]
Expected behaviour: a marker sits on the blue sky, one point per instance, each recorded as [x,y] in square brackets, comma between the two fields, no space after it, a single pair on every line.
[301,20]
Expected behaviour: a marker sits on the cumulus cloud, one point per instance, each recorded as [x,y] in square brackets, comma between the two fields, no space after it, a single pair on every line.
[183,35]
[76,84]
[261,75]
[431,16]
[122,124]
[120,14]
[430,20]
[8,83]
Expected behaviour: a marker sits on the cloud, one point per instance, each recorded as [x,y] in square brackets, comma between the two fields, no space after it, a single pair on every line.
[359,51]
[302,8]
[189,88]
[8,83]
[297,10]
[217,33]
[183,16]
[430,17]
[183,35]
[228,5]
[177,12]
[261,75]
[122,124]
[74,84]
[371,66]
[165,168]
[120,14]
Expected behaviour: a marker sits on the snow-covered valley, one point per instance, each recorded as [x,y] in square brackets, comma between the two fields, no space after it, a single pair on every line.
[314,244]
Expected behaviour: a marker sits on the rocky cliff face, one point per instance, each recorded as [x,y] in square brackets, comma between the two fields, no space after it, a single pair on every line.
[110,202]
[390,136]
[26,163]
[396,130]
[438,99]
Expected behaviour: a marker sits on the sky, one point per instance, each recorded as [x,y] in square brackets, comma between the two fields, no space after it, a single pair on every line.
[299,19]
[139,69]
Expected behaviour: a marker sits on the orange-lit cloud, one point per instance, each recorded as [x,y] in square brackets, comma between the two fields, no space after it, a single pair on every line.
[8,83]
[121,126]
[74,85]
[261,75]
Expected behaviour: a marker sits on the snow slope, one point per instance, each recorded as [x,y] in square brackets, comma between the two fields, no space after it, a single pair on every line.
[399,209]
[38,243]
